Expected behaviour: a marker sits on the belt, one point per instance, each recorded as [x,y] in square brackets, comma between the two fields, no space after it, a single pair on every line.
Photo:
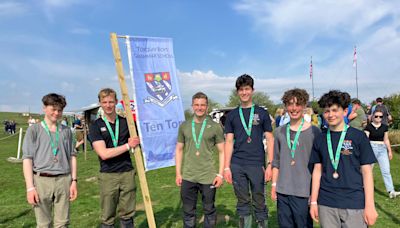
[46,174]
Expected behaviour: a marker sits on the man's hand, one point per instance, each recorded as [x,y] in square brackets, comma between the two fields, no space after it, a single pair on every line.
[133,142]
[178,180]
[228,175]
[218,181]
[273,193]
[32,197]
[314,212]
[73,191]
[370,215]
[268,173]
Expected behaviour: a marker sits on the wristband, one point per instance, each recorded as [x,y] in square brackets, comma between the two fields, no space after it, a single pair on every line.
[220,176]
[127,146]
[273,184]
[313,203]
[76,180]
[30,189]
[227,169]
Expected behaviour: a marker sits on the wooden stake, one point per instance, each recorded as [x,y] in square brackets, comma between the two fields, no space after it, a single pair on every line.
[132,131]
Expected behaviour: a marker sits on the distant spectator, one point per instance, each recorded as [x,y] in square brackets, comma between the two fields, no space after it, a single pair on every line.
[284,119]
[64,121]
[278,115]
[357,115]
[387,118]
[13,127]
[31,121]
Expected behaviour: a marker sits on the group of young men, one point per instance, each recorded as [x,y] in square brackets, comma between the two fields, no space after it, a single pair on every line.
[324,176]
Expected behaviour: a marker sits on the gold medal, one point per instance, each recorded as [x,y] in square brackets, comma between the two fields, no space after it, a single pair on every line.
[55,160]
[335,175]
[293,162]
[197,153]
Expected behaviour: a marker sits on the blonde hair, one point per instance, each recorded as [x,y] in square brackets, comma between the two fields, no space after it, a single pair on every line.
[107,92]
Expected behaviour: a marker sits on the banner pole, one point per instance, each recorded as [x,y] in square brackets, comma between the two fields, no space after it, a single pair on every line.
[19,143]
[132,131]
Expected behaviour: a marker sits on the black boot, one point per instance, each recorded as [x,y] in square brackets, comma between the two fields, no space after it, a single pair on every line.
[126,223]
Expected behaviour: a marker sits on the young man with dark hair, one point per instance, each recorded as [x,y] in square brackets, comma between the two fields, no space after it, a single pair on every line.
[342,192]
[245,128]
[50,166]
[197,140]
[291,179]
[112,143]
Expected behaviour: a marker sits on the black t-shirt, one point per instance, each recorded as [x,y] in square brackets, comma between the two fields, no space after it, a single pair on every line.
[248,153]
[99,131]
[376,134]
[346,192]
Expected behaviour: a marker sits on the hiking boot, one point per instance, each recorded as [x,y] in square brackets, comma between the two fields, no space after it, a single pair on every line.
[262,224]
[393,194]
[245,221]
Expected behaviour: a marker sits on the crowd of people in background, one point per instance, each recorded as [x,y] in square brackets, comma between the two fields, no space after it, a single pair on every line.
[10,126]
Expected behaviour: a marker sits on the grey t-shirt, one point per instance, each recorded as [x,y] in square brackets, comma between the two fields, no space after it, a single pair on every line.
[37,146]
[293,180]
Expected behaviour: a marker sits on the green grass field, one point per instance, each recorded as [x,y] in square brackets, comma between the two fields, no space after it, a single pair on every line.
[85,211]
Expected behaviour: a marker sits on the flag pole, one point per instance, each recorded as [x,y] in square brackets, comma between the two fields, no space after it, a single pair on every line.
[355,62]
[312,79]
[132,131]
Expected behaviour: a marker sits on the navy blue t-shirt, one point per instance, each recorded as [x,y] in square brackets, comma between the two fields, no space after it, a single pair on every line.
[248,153]
[99,131]
[346,192]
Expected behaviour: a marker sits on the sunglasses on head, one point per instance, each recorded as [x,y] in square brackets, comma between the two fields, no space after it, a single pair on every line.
[379,117]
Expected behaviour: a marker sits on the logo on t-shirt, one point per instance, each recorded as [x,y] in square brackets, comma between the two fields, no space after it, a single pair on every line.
[103,129]
[347,147]
[256,119]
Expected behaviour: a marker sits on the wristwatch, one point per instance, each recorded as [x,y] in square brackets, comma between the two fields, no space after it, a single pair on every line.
[76,180]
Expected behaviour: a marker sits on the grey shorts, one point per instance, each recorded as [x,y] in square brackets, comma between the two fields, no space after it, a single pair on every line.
[330,217]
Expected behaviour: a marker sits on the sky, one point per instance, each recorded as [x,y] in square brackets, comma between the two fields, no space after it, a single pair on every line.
[63,46]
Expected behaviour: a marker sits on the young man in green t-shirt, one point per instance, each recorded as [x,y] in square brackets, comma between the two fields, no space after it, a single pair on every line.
[197,139]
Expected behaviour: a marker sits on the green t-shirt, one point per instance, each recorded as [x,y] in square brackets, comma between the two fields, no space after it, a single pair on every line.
[200,168]
[357,122]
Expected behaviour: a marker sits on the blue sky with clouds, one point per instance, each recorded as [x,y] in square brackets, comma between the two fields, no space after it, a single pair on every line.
[63,46]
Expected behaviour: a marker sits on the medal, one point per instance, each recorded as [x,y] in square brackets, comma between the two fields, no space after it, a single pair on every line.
[197,141]
[296,139]
[335,160]
[335,175]
[113,137]
[247,127]
[54,145]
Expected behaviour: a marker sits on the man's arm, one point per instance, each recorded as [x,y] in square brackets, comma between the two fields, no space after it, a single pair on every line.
[218,181]
[73,190]
[107,153]
[315,184]
[370,214]
[387,143]
[178,163]
[228,155]
[270,150]
[31,194]
[353,114]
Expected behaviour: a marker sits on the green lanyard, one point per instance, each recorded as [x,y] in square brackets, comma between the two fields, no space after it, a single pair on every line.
[335,161]
[113,137]
[197,141]
[54,146]
[296,139]
[248,127]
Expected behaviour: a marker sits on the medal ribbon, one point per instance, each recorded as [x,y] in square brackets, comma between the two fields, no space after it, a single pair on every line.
[248,127]
[197,141]
[335,161]
[296,137]
[54,146]
[113,137]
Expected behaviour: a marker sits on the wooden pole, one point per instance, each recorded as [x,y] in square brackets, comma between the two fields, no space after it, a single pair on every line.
[132,131]
[84,140]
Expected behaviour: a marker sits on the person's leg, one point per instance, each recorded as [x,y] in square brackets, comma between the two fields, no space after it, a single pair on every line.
[352,218]
[257,184]
[299,207]
[61,201]
[189,192]
[381,155]
[329,217]
[43,210]
[127,199]
[210,212]
[285,215]
[109,194]
[241,188]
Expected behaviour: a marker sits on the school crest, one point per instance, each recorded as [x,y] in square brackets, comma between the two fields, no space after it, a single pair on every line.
[159,87]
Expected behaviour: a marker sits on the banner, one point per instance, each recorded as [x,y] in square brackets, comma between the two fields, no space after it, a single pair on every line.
[159,110]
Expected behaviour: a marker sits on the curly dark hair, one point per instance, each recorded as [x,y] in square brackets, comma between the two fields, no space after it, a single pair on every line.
[300,94]
[335,97]
[244,80]
[54,99]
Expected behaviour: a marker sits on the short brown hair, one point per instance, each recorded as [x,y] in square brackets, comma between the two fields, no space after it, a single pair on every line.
[199,95]
[107,92]
[54,99]
[301,95]
[356,101]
